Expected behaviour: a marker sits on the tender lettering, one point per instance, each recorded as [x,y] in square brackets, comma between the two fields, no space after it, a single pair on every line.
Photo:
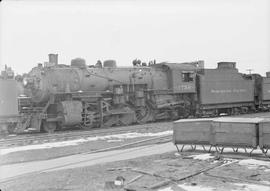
[228,91]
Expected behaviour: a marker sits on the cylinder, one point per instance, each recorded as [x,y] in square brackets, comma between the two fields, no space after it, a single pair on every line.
[71,112]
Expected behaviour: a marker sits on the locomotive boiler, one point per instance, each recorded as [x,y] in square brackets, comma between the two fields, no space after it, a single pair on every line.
[80,95]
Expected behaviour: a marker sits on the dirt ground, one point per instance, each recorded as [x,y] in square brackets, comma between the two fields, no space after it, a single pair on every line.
[166,172]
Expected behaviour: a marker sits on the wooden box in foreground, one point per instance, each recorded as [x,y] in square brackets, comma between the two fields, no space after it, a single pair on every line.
[235,132]
[192,131]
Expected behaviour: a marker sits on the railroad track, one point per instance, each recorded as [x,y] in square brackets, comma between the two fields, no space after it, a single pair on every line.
[148,142]
[37,138]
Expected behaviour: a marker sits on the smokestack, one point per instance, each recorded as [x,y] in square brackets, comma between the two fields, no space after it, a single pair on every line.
[53,59]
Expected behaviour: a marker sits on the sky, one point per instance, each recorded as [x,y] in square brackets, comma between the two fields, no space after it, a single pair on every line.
[171,30]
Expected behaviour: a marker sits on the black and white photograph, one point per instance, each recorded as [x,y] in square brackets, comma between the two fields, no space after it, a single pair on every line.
[134,95]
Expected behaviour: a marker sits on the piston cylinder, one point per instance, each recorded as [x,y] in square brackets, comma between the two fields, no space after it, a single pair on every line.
[70,112]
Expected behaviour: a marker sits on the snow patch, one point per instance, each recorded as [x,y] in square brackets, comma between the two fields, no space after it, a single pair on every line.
[112,138]
[166,189]
[228,161]
[41,146]
[12,135]
[195,188]
[254,164]
[251,187]
[202,156]
[177,154]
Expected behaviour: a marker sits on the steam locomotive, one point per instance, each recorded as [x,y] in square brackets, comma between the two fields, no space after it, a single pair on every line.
[104,95]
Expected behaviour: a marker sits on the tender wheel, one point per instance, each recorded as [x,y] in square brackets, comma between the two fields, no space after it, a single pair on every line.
[49,127]
[244,110]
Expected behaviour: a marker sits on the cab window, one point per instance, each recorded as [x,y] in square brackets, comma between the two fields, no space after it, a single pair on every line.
[187,76]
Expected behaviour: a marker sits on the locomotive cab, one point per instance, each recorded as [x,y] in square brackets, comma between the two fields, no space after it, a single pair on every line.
[181,76]
[178,100]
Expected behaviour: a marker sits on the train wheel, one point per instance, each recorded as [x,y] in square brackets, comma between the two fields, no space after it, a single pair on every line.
[86,127]
[244,110]
[49,127]
[89,120]
[235,111]
[144,114]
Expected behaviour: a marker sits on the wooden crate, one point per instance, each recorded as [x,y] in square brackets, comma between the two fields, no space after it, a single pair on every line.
[192,131]
[235,132]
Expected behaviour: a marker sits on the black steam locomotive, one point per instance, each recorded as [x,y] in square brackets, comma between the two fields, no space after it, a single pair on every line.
[61,96]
